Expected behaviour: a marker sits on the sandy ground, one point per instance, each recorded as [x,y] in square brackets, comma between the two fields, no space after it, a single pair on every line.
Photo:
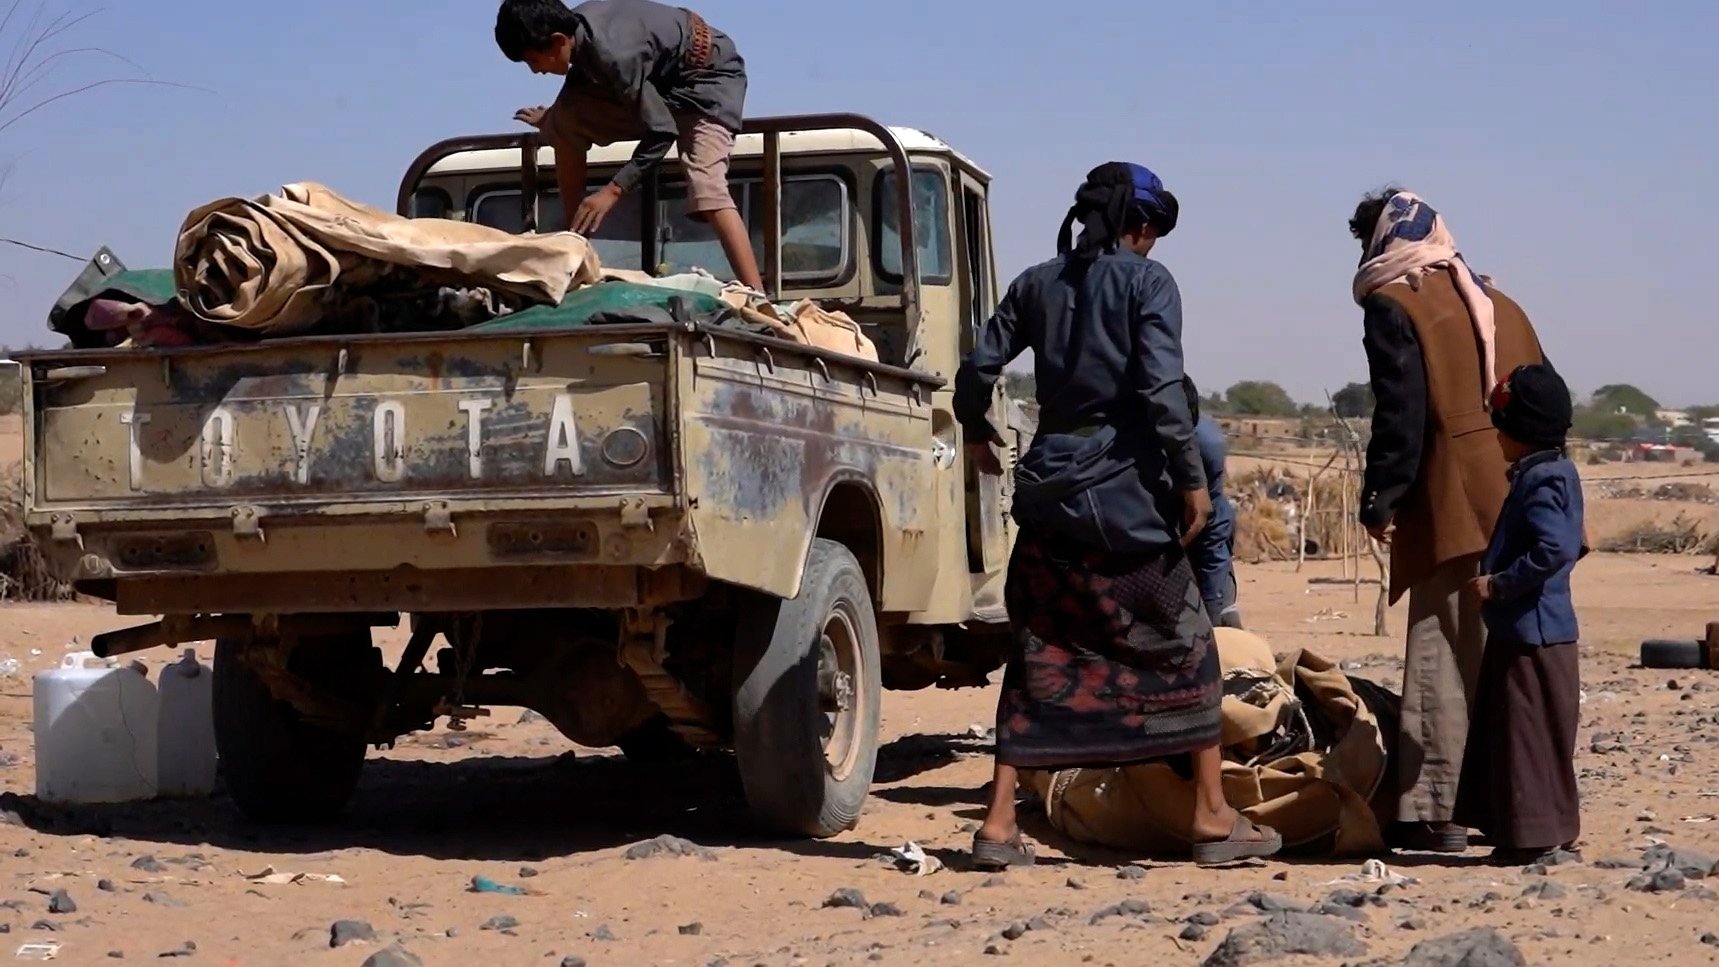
[513,802]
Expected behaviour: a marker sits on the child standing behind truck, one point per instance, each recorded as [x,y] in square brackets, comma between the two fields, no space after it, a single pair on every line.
[636,69]
[1518,783]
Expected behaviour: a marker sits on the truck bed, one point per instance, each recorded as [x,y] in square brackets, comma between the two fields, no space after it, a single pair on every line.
[316,462]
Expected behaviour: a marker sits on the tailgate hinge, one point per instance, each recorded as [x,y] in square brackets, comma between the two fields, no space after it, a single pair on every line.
[635,514]
[438,519]
[65,530]
[248,525]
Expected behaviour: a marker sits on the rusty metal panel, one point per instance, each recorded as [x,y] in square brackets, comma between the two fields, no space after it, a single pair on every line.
[316,425]
[769,433]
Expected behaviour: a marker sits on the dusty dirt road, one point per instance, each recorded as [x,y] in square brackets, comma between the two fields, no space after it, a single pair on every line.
[511,801]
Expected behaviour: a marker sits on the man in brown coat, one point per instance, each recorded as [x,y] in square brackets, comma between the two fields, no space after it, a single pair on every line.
[1436,336]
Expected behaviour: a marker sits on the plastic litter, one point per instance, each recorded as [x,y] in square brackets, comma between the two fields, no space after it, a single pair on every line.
[483,884]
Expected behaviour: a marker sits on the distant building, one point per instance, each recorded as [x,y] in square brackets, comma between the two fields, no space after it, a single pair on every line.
[1674,418]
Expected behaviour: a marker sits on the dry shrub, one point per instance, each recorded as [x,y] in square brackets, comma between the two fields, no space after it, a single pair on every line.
[24,575]
[1680,535]
[1262,520]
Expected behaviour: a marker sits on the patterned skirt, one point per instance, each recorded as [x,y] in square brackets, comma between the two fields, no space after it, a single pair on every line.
[1113,662]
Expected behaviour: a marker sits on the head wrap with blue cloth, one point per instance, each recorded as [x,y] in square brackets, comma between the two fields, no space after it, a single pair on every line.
[1114,197]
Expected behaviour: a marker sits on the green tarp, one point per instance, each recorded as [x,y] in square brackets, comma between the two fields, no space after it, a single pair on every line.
[609,303]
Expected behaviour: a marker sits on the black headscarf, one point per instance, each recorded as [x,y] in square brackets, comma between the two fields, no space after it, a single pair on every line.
[1114,196]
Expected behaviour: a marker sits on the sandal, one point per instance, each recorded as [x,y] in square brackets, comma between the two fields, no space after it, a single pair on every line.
[1240,845]
[993,857]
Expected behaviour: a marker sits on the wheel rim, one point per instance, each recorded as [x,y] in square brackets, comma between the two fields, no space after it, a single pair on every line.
[839,696]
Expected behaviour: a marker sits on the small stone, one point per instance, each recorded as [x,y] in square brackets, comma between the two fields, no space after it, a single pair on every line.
[1617,863]
[1075,884]
[669,846]
[1015,931]
[692,930]
[1281,876]
[106,886]
[148,864]
[116,955]
[393,956]
[61,903]
[1342,911]
[527,872]
[991,882]
[47,926]
[451,932]
[846,899]
[163,900]
[572,961]
[1663,881]
[21,853]
[344,932]
[950,899]
[1134,908]
[1267,903]
[1131,873]
[1411,923]
[1483,947]
[186,949]
[1194,933]
[1347,898]
[1040,924]
[603,934]
[1710,939]
[1204,918]
[884,910]
[994,950]
[500,923]
[1545,890]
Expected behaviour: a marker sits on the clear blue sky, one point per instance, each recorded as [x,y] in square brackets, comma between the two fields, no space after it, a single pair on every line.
[1567,143]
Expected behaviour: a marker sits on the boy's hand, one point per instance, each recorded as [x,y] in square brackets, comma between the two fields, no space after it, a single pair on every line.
[594,209]
[531,115]
[1482,587]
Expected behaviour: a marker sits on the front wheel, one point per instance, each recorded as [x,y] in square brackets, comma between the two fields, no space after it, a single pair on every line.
[280,768]
[807,696]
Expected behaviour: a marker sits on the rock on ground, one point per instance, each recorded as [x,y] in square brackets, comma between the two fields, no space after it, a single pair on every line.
[669,846]
[1471,948]
[1285,935]
[394,956]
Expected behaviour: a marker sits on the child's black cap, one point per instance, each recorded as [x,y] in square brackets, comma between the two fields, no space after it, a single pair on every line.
[1533,406]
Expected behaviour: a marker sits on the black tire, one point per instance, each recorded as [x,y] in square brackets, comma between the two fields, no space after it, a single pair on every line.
[783,736]
[278,768]
[1671,653]
[654,743]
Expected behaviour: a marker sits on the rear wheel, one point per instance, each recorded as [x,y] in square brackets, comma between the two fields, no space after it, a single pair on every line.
[807,697]
[280,768]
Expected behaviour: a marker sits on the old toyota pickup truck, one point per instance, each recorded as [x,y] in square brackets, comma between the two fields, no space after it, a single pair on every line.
[660,537]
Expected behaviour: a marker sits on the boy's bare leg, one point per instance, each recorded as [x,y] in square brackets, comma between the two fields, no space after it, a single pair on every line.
[730,230]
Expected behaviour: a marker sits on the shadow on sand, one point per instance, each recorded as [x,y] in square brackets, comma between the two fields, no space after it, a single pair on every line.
[495,808]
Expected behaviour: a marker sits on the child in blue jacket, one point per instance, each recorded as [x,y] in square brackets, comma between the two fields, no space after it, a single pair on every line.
[1518,783]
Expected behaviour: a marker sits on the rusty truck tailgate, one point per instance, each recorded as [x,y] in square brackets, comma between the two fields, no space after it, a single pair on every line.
[310,423]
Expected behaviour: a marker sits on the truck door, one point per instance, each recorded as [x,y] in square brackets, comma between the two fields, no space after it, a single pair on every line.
[988,522]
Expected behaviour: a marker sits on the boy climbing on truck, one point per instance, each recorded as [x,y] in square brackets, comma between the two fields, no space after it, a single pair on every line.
[636,69]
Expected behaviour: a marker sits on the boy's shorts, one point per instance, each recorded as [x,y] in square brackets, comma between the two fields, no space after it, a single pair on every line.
[705,146]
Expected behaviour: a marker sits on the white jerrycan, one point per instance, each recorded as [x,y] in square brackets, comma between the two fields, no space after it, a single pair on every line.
[186,737]
[95,732]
